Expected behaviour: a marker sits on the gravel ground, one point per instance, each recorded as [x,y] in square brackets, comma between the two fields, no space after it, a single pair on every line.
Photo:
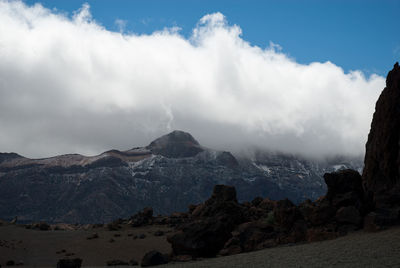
[355,250]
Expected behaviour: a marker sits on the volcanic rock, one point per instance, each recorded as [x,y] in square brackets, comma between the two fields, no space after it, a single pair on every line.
[153,258]
[212,226]
[381,174]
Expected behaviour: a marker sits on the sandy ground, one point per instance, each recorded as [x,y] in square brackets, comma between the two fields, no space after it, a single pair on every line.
[39,248]
[355,250]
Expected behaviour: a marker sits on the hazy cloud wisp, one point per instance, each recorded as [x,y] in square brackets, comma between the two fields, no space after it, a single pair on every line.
[70,85]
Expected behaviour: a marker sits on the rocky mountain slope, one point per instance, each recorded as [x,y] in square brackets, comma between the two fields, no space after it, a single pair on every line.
[168,175]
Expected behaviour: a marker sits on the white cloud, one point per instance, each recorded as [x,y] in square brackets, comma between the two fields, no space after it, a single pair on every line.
[121,24]
[69,85]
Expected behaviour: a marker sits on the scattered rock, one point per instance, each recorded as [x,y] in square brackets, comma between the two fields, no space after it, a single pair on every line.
[93,236]
[113,226]
[158,233]
[133,262]
[69,263]
[116,263]
[142,236]
[153,258]
[111,240]
[117,235]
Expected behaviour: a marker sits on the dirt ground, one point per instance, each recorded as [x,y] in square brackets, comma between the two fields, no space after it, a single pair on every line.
[37,248]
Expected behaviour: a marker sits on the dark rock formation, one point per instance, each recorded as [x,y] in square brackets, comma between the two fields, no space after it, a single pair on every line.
[153,258]
[223,226]
[212,225]
[143,217]
[381,175]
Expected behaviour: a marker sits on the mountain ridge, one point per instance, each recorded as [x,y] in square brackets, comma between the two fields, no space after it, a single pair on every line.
[170,173]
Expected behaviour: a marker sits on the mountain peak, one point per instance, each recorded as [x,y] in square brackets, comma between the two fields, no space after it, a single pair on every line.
[175,144]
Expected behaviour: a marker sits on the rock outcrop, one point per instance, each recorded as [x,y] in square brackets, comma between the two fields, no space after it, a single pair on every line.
[223,226]
[381,175]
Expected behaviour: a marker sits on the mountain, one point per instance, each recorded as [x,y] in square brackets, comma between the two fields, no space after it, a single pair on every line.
[170,173]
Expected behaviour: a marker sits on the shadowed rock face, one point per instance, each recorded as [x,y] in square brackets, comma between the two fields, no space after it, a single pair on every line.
[175,144]
[381,175]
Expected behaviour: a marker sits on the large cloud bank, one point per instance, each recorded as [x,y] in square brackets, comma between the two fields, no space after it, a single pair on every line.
[67,85]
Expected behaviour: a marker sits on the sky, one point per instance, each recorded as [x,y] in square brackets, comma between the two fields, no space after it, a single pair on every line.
[298,77]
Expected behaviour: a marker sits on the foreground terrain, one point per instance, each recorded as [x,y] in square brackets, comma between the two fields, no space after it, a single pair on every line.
[359,249]
[36,248]
[39,249]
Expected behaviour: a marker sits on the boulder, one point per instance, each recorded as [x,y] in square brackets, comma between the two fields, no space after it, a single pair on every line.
[348,215]
[344,188]
[69,263]
[200,238]
[153,258]
[318,213]
[250,236]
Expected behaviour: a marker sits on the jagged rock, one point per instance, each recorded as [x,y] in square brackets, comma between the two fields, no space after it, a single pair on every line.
[153,258]
[201,238]
[381,174]
[286,214]
[318,213]
[69,263]
[348,215]
[208,232]
[381,218]
[143,217]
[344,188]
[250,236]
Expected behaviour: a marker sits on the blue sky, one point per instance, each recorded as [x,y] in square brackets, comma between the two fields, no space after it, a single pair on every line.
[362,35]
